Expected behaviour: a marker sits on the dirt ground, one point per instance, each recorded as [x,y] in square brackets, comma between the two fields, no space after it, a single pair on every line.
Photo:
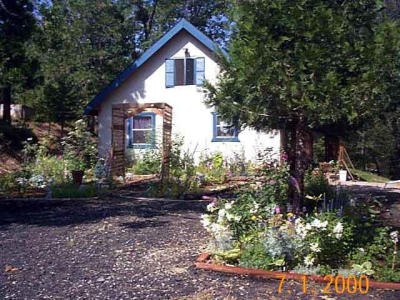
[121,249]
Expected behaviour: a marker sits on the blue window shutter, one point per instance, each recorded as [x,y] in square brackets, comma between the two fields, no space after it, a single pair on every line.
[199,69]
[169,72]
[130,131]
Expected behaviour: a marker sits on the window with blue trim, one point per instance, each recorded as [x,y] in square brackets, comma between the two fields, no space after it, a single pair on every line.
[184,71]
[142,128]
[223,131]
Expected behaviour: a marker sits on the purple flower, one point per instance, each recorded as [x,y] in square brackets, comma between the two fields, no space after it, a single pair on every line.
[284,156]
[295,183]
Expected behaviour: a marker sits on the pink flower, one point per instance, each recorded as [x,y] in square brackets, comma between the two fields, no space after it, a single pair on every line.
[277,210]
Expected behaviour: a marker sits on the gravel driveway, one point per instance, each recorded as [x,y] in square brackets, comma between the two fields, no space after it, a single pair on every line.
[119,249]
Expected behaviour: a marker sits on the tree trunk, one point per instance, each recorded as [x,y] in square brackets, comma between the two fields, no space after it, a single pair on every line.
[331,147]
[300,158]
[7,104]
[62,127]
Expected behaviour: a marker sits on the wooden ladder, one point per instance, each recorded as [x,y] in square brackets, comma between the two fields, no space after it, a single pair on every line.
[344,160]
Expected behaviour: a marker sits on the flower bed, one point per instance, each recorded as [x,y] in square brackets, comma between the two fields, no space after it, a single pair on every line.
[202,262]
[332,236]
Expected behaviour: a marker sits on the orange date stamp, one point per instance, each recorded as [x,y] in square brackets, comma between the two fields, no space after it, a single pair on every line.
[338,284]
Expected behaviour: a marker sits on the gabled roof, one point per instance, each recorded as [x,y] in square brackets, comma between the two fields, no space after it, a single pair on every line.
[182,24]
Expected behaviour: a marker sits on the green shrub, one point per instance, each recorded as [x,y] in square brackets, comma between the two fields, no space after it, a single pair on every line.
[149,163]
[12,137]
[8,182]
[80,149]
[73,191]
[255,256]
[316,187]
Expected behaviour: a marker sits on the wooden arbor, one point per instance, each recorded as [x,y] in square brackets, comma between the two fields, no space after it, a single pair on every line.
[120,112]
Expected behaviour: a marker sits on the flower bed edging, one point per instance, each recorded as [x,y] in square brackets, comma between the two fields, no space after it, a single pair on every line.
[202,264]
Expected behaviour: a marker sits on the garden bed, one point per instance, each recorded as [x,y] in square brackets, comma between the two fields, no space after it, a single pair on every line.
[203,262]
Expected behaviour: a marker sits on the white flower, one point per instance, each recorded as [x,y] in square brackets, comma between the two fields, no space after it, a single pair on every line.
[255,207]
[205,221]
[308,226]
[394,235]
[301,230]
[221,215]
[21,181]
[337,230]
[309,260]
[318,224]
[315,247]
[211,207]
[237,218]
[228,205]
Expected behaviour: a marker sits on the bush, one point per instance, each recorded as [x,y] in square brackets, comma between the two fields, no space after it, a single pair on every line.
[316,188]
[255,256]
[319,243]
[149,163]
[42,168]
[74,191]
[12,137]
[182,173]
[80,149]
[212,167]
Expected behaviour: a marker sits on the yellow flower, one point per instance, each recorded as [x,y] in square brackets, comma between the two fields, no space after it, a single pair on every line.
[253,218]
[289,215]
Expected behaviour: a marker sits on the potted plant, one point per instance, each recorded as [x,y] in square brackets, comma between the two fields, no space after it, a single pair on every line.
[77,167]
[79,150]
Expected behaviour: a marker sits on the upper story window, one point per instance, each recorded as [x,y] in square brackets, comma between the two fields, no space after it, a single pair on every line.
[223,131]
[141,130]
[184,71]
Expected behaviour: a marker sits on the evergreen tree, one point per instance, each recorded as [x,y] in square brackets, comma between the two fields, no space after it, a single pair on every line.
[305,65]
[17,24]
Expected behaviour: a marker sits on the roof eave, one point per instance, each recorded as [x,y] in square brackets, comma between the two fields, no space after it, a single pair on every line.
[183,24]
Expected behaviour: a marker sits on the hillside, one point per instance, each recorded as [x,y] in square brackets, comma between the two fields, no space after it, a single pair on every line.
[12,138]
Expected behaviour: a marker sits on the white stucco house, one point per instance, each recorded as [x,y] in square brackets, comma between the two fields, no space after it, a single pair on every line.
[172,70]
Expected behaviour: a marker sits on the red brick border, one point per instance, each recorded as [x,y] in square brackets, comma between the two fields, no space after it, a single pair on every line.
[201,263]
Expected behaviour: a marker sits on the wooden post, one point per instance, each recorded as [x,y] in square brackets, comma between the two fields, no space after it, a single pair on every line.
[120,112]
[167,131]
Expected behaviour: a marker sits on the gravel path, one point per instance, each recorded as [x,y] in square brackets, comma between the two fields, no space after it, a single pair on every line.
[119,249]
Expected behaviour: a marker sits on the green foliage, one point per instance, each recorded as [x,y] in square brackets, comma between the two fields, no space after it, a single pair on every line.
[255,256]
[12,137]
[315,65]
[212,166]
[182,170]
[369,177]
[148,163]
[316,188]
[8,182]
[80,148]
[319,243]
[17,67]
[373,146]
[74,191]
[308,59]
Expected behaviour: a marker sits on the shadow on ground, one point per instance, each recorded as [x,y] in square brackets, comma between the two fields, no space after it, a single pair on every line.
[68,212]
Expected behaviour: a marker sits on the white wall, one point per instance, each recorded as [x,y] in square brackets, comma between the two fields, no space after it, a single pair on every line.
[191,118]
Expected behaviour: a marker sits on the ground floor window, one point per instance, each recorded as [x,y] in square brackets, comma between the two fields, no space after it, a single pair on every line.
[141,130]
[224,131]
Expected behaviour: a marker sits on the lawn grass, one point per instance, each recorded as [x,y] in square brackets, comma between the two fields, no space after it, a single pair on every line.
[369,177]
